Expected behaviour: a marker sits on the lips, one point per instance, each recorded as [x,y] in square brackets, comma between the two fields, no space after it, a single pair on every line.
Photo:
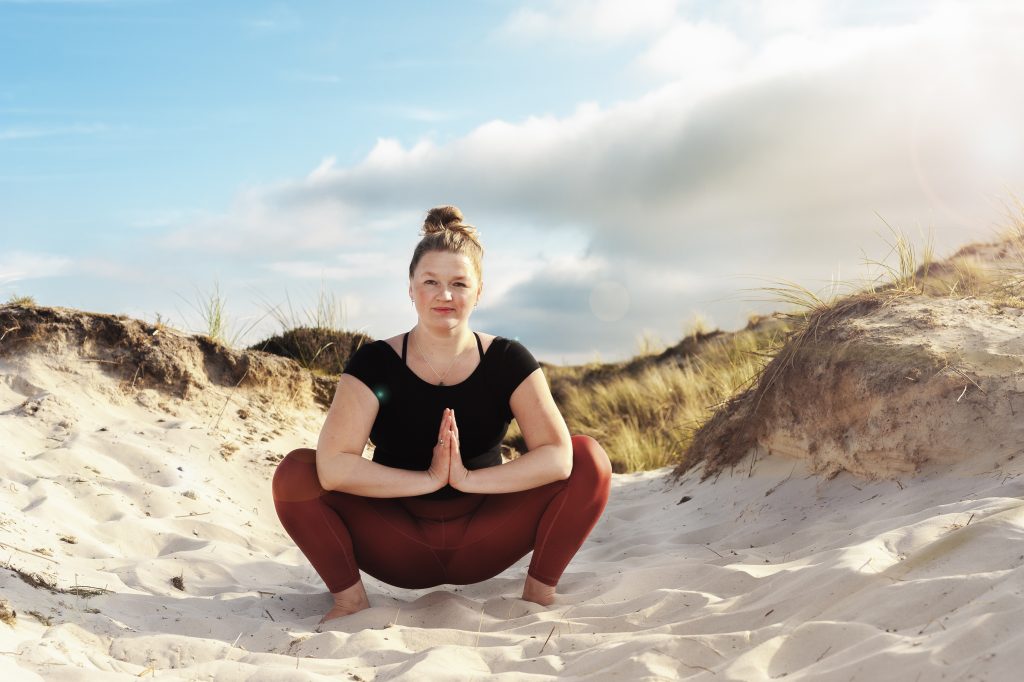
[445,310]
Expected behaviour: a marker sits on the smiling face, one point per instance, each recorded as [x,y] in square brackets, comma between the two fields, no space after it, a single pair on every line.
[445,289]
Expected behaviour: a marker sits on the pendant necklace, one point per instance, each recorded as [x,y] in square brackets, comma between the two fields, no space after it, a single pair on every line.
[440,377]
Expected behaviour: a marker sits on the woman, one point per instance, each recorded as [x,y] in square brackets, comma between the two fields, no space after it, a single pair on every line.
[433,506]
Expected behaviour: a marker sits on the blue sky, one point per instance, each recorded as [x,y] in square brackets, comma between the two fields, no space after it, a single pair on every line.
[629,164]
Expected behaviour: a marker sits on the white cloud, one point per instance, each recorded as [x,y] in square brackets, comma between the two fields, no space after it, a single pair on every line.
[107,268]
[829,144]
[703,48]
[324,169]
[573,306]
[21,265]
[362,266]
[606,20]
[266,221]
[528,22]
[29,132]
[777,166]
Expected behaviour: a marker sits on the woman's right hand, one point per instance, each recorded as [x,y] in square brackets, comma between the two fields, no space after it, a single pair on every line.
[440,464]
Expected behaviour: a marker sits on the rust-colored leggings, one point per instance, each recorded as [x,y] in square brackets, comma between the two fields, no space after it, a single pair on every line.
[414,543]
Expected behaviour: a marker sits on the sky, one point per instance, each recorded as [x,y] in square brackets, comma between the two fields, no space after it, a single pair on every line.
[633,166]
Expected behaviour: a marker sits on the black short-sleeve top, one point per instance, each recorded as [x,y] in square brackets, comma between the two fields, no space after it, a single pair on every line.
[409,415]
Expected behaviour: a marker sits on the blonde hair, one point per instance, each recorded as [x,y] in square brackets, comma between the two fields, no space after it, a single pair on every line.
[443,230]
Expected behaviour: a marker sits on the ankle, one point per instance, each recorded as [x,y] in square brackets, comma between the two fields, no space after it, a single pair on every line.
[538,592]
[354,595]
[350,600]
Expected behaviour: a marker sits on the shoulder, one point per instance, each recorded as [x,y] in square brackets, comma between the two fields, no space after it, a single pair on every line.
[393,342]
[373,349]
[511,358]
[486,339]
[367,360]
[504,346]
[501,345]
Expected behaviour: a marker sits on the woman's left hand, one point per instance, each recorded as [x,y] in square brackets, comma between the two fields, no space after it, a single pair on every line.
[457,472]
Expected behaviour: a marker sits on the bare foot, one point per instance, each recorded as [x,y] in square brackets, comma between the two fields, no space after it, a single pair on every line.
[348,601]
[536,591]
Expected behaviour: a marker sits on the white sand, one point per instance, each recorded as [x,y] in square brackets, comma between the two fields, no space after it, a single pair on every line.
[764,573]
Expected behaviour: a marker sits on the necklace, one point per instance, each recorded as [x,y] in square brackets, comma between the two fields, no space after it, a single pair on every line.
[440,377]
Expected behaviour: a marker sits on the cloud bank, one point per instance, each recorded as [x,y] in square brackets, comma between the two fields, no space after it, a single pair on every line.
[770,147]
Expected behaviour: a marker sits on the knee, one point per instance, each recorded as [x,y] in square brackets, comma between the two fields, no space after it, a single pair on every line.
[295,478]
[590,461]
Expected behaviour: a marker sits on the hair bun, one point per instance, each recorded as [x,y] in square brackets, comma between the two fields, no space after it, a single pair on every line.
[441,218]
[443,230]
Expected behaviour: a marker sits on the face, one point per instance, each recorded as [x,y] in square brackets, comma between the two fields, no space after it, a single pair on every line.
[445,289]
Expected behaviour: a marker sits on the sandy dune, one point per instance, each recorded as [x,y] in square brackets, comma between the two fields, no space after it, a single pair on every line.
[785,565]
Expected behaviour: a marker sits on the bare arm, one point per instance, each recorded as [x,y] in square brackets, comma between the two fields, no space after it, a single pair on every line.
[549,448]
[339,461]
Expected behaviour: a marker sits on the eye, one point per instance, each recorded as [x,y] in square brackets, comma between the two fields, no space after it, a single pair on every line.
[429,281]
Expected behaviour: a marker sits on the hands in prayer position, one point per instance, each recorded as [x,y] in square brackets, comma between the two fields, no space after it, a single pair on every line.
[446,467]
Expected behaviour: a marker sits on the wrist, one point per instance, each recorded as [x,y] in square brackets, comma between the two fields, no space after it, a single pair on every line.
[435,482]
[464,485]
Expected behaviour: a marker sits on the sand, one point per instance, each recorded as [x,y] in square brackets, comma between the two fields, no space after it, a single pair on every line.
[138,538]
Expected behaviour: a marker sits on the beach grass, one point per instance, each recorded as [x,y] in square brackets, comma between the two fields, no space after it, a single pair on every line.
[314,337]
[215,324]
[644,411]
[22,300]
[328,313]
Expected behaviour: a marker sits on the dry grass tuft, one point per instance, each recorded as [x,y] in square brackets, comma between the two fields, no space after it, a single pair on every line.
[212,310]
[7,614]
[39,581]
[24,301]
[315,337]
[324,351]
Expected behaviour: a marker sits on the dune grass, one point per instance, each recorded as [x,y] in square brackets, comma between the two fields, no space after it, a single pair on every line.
[211,307]
[314,337]
[328,313]
[22,300]
[645,413]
